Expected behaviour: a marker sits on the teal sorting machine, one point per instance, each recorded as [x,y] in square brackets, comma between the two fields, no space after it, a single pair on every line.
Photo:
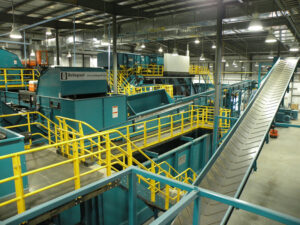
[10,142]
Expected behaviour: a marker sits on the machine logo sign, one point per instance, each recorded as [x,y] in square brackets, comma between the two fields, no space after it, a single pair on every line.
[73,76]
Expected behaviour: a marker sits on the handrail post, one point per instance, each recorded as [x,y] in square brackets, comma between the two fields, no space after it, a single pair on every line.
[66,137]
[152,183]
[129,150]
[182,122]
[81,152]
[108,156]
[145,134]
[76,162]
[167,197]
[172,127]
[49,132]
[197,117]
[29,127]
[5,79]
[22,78]
[17,169]
[192,118]
[159,130]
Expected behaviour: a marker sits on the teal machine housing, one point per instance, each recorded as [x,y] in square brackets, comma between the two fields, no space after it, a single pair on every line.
[9,60]
[80,93]
[12,143]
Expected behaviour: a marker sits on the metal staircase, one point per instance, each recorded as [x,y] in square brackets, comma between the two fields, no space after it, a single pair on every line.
[230,167]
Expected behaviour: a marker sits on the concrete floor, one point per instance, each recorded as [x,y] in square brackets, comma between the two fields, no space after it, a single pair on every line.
[276,183]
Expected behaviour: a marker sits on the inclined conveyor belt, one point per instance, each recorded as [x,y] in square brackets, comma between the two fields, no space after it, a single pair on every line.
[229,168]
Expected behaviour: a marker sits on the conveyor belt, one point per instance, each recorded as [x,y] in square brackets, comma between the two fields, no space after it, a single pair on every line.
[229,168]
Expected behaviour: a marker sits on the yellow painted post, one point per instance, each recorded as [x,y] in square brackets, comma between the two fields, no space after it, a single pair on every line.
[29,128]
[172,127]
[129,150]
[178,194]
[167,198]
[182,122]
[159,130]
[76,164]
[108,156]
[197,117]
[203,116]
[81,151]
[145,134]
[49,132]
[22,78]
[5,78]
[18,183]
[61,137]
[66,138]
[192,117]
[152,183]
[55,134]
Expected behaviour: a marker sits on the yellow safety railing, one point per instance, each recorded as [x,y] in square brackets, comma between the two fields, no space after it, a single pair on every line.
[150,70]
[17,78]
[102,145]
[35,119]
[125,88]
[201,70]
[151,132]
[111,148]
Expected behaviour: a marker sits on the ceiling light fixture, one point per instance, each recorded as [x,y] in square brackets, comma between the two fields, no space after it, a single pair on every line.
[14,34]
[213,46]
[223,59]
[270,37]
[202,58]
[227,64]
[69,55]
[143,46]
[160,49]
[32,53]
[294,48]
[48,32]
[255,24]
[175,52]
[197,41]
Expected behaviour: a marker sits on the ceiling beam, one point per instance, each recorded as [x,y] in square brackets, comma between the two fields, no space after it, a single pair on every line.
[16,6]
[20,19]
[107,7]
[35,10]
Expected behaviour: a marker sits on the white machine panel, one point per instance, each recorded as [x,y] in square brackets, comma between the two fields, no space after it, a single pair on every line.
[176,63]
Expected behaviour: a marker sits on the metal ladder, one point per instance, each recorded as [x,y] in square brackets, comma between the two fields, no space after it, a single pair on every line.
[228,170]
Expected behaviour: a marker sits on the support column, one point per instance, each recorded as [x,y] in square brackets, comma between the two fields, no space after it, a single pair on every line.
[57,46]
[74,42]
[25,53]
[115,57]
[218,72]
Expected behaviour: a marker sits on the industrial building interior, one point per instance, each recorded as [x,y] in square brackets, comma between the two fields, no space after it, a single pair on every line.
[177,112]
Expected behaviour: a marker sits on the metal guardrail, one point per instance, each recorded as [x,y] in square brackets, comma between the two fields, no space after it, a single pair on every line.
[108,149]
[201,70]
[125,88]
[17,77]
[194,195]
[149,70]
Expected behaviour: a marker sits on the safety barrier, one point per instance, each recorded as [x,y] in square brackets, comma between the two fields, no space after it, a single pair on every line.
[48,128]
[96,145]
[110,150]
[201,70]
[17,78]
[149,70]
[125,88]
